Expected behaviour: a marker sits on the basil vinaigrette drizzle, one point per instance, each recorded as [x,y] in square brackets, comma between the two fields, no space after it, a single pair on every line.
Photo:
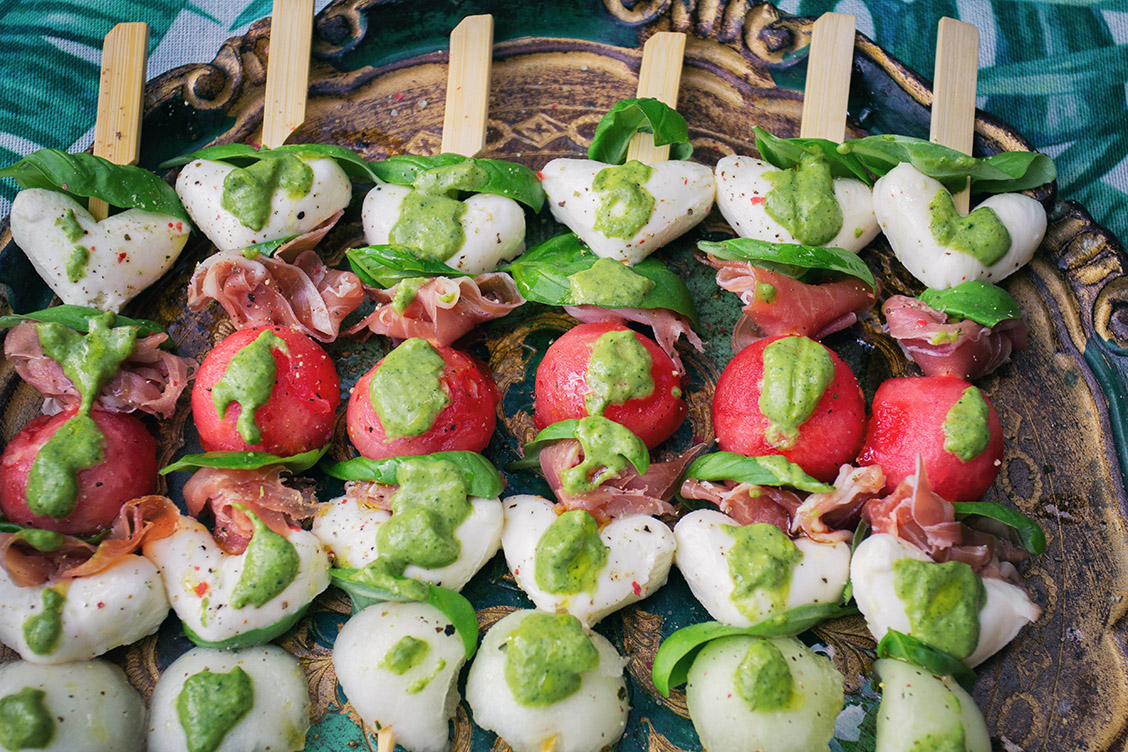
[609,283]
[407,654]
[797,371]
[211,704]
[763,679]
[247,191]
[406,391]
[802,200]
[76,263]
[618,371]
[965,427]
[545,657]
[43,631]
[606,446]
[270,564]
[248,381]
[430,217]
[570,555]
[25,720]
[625,204]
[89,361]
[980,234]
[760,562]
[942,602]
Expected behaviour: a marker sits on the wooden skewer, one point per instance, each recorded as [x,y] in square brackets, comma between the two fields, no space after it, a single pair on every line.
[953,92]
[660,78]
[550,743]
[468,86]
[287,70]
[829,65]
[121,96]
[385,739]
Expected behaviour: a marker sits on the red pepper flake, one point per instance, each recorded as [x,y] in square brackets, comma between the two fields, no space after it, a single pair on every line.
[399,96]
[180,227]
[101,604]
[540,176]
[201,589]
[636,588]
[756,200]
[122,257]
[554,108]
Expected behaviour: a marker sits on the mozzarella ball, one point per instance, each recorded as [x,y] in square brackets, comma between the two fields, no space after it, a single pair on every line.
[919,711]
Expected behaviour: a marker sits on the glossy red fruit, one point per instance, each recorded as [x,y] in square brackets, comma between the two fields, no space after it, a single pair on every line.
[303,402]
[128,470]
[908,419]
[829,438]
[561,386]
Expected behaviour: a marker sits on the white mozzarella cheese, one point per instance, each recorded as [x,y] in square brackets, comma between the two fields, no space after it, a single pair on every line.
[917,710]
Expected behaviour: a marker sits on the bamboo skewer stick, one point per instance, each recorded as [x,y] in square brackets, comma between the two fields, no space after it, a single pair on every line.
[829,66]
[385,739]
[468,86]
[953,92]
[660,78]
[287,70]
[121,96]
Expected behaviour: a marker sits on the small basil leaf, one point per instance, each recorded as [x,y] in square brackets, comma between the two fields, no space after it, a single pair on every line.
[266,248]
[86,176]
[909,649]
[249,639]
[354,165]
[509,179]
[1029,532]
[676,653]
[565,429]
[786,153]
[386,265]
[482,477]
[630,116]
[792,260]
[403,169]
[860,533]
[78,318]
[296,463]
[761,471]
[981,302]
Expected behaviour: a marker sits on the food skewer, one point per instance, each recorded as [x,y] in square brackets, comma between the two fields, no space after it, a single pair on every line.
[468,86]
[953,98]
[660,78]
[121,94]
[287,70]
[828,77]
[385,739]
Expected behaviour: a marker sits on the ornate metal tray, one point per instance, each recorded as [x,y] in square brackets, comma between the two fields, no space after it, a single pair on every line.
[377,85]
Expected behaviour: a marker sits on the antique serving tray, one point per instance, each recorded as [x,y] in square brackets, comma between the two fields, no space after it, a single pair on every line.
[377,85]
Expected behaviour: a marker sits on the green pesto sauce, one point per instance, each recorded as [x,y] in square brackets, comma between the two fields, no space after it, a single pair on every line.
[76,263]
[386,575]
[545,657]
[72,230]
[25,721]
[419,685]
[405,655]
[764,293]
[42,540]
[760,563]
[270,564]
[966,433]
[212,704]
[464,176]
[426,510]
[942,602]
[430,216]
[797,371]
[247,191]
[802,200]
[980,234]
[625,204]
[43,631]
[607,445]
[52,483]
[570,555]
[88,360]
[763,679]
[405,293]
[406,391]
[610,284]
[618,371]
[249,380]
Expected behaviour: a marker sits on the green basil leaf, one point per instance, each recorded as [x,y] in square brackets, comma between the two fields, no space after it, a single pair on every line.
[482,477]
[786,153]
[1029,532]
[249,639]
[451,604]
[676,653]
[241,155]
[909,649]
[542,272]
[981,302]
[87,176]
[860,533]
[565,429]
[509,179]
[297,463]
[78,318]
[1000,173]
[630,116]
[790,259]
[771,470]
[385,265]
[266,248]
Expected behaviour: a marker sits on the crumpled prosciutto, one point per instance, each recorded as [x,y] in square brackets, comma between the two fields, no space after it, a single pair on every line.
[370,494]
[824,517]
[444,309]
[746,503]
[149,380]
[624,494]
[668,326]
[791,307]
[305,295]
[261,491]
[964,349]
[139,520]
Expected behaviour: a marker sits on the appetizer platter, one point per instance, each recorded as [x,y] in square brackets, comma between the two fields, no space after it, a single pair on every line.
[361,169]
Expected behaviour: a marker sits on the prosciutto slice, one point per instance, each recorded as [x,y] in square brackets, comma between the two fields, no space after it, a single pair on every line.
[261,491]
[305,295]
[668,326]
[964,349]
[444,309]
[746,503]
[370,494]
[146,518]
[824,517]
[149,380]
[624,494]
[793,307]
